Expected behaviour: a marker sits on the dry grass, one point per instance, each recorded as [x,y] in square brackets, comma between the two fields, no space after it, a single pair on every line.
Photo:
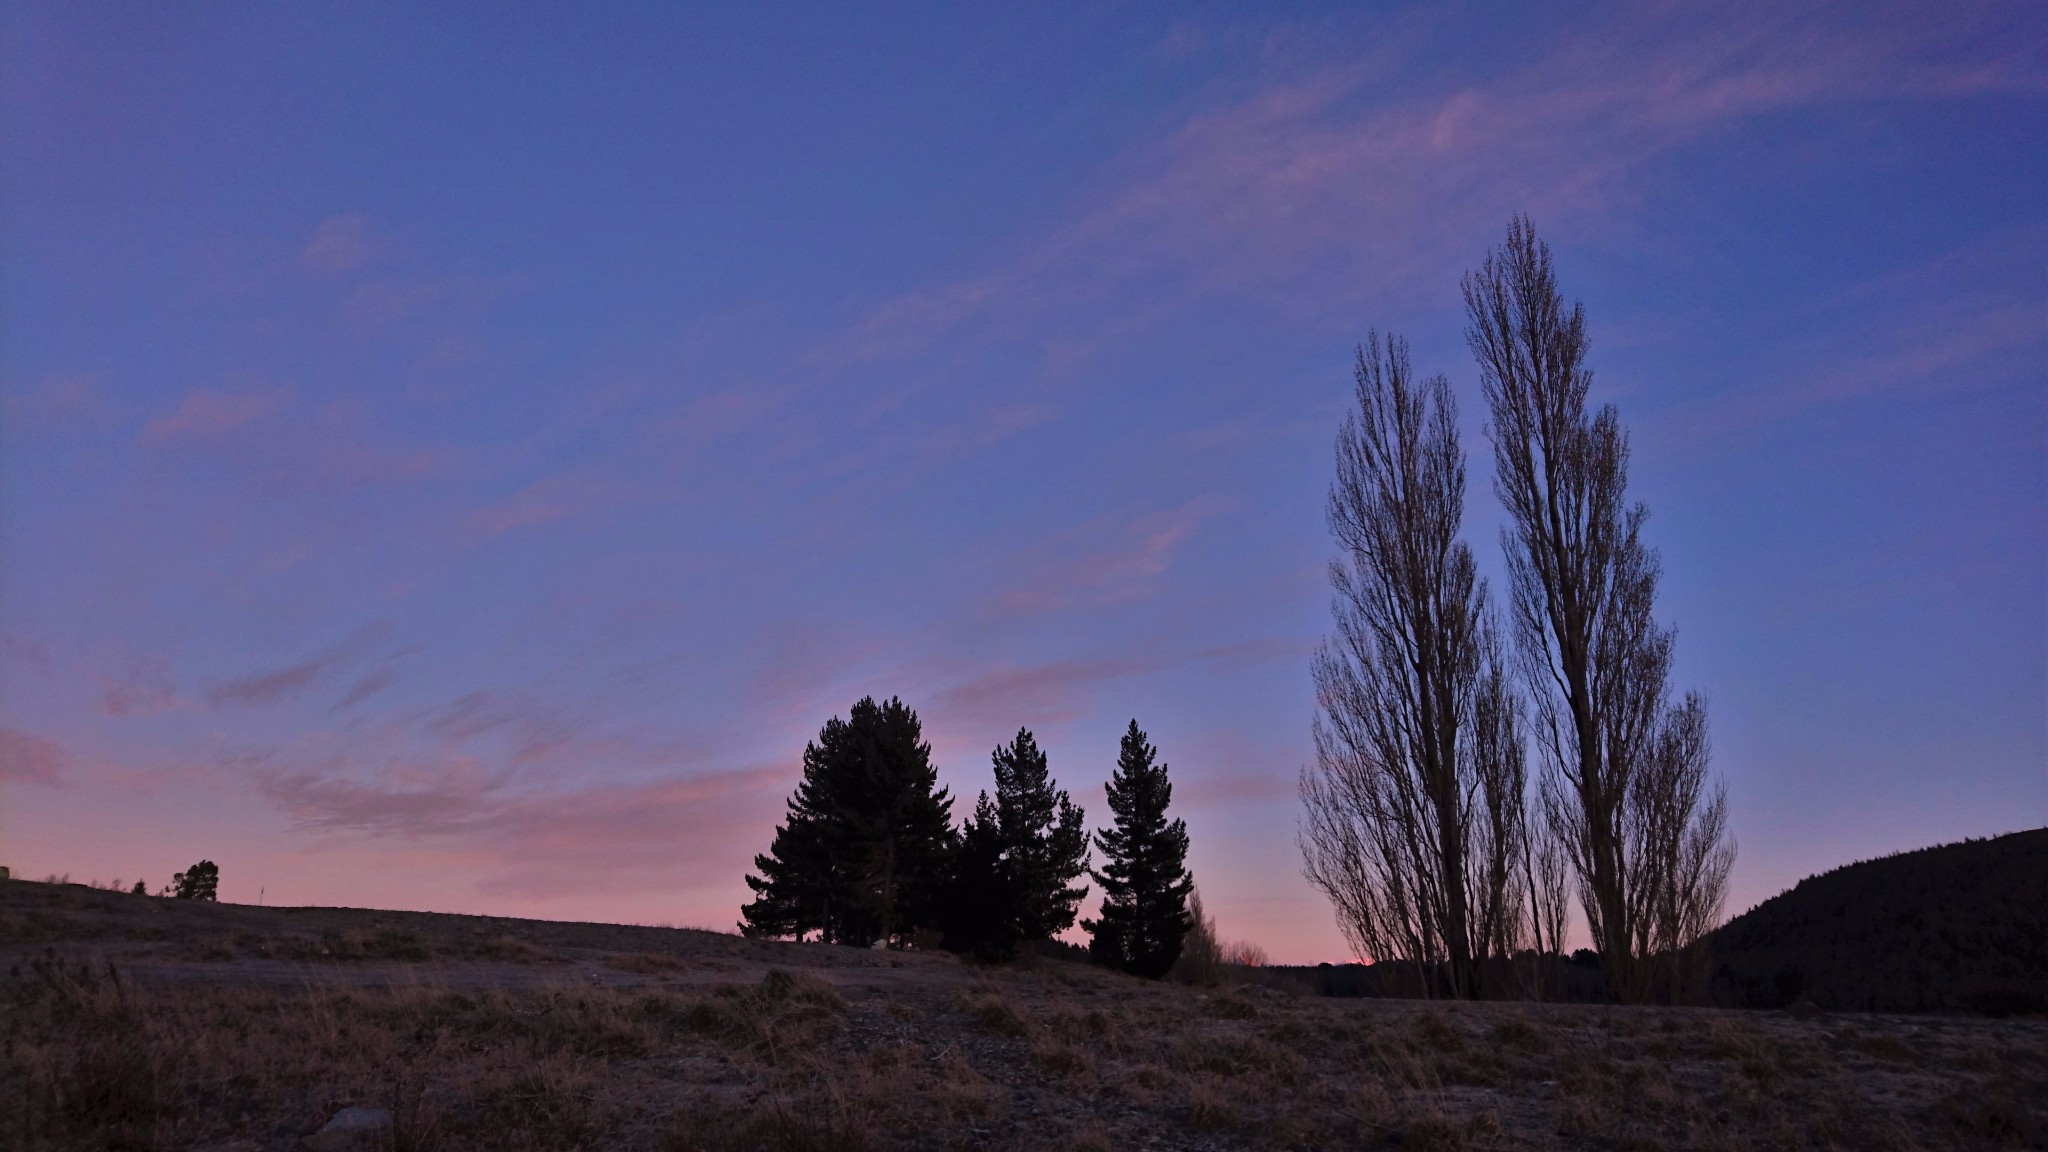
[698,1043]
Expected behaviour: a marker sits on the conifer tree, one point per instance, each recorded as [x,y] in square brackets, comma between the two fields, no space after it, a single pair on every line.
[865,850]
[1043,837]
[982,911]
[1144,878]
[1020,855]
[199,882]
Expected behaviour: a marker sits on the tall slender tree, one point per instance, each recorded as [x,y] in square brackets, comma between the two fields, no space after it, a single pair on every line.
[1144,877]
[865,851]
[1043,837]
[1413,809]
[1624,784]
[1020,853]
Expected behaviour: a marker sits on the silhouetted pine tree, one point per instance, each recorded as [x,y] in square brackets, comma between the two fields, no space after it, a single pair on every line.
[1020,855]
[868,842]
[199,882]
[1043,839]
[1144,878]
[982,912]
[798,891]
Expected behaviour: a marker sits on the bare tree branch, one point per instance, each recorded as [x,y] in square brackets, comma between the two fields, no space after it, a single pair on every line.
[1412,812]
[1624,771]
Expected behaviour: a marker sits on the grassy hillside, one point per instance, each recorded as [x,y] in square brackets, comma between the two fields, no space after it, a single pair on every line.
[136,1022]
[1958,927]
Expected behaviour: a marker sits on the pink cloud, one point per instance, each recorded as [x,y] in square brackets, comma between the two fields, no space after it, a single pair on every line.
[56,402]
[268,687]
[367,686]
[147,685]
[545,501]
[1081,568]
[1050,692]
[340,244]
[983,432]
[544,843]
[392,300]
[206,415]
[29,759]
[1035,694]
[533,728]
[805,666]
[1937,331]
[275,446]
[263,688]
[351,460]
[24,651]
[1949,358]
[1226,769]
[1323,196]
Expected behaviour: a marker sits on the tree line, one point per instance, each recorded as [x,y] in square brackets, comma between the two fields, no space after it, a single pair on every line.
[1423,825]
[868,853]
[1439,844]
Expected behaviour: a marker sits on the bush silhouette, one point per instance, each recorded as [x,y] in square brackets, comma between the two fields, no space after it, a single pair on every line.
[199,882]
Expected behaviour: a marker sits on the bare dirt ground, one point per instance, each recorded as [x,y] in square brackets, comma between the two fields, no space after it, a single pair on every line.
[138,1022]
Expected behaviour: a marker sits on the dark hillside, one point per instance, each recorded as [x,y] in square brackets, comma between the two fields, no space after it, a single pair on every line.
[132,1022]
[1961,927]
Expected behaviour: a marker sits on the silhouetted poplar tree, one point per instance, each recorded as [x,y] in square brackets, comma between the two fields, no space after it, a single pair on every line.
[1413,809]
[1625,786]
[865,851]
[1144,878]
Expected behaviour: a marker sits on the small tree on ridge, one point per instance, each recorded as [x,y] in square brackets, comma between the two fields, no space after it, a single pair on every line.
[199,882]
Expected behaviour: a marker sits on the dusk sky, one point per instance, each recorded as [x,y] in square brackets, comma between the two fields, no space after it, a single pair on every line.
[454,457]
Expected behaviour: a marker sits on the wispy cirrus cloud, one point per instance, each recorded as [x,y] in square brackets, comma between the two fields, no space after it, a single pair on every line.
[1032,694]
[1320,191]
[531,728]
[26,758]
[1973,318]
[24,651]
[273,443]
[258,689]
[367,686]
[376,680]
[269,687]
[1053,691]
[564,497]
[68,400]
[208,415]
[145,685]
[544,842]
[1109,561]
[341,243]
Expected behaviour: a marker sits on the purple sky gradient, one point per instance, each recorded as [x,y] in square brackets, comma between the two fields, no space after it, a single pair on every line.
[455,460]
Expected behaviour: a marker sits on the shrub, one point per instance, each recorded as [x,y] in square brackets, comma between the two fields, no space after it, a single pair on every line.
[199,882]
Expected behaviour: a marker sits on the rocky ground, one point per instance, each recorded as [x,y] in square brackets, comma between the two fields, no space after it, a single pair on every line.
[139,1022]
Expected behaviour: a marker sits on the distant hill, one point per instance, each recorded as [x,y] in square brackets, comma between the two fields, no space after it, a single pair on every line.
[1961,927]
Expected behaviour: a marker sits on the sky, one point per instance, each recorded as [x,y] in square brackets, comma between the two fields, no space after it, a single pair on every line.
[453,457]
